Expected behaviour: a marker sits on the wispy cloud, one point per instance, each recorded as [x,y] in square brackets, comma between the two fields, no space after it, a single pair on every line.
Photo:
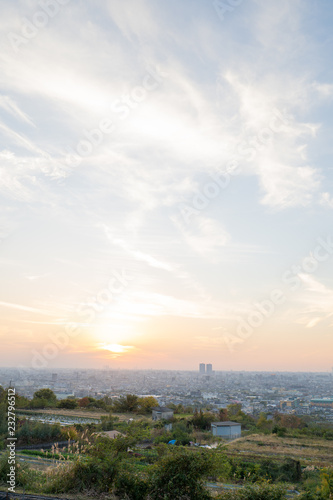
[21,307]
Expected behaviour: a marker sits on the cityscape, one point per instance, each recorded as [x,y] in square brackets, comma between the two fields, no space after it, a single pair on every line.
[257,392]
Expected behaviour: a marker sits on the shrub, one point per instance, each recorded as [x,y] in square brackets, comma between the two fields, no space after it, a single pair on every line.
[256,492]
[180,475]
[132,485]
[90,474]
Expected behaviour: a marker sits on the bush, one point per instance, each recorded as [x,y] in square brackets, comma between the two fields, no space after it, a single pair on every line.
[180,475]
[90,474]
[4,467]
[132,485]
[69,404]
[256,492]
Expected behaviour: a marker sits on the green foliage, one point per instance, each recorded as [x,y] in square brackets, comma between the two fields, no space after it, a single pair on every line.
[48,454]
[81,475]
[180,475]
[262,423]
[128,403]
[146,404]
[69,404]
[326,486]
[140,430]
[131,484]
[4,467]
[43,398]
[37,432]
[202,420]
[3,418]
[234,410]
[108,423]
[264,491]
[279,431]
[182,433]
[289,421]
[103,446]
[47,394]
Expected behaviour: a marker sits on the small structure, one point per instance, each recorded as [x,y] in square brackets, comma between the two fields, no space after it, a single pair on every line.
[162,412]
[226,430]
[110,434]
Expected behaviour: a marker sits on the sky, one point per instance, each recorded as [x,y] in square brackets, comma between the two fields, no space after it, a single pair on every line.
[166,184]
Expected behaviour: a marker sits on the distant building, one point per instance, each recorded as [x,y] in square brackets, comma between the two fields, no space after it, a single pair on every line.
[324,403]
[226,430]
[209,369]
[202,368]
[54,378]
[289,403]
[161,412]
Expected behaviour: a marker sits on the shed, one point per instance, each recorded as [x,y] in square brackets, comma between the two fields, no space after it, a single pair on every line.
[226,430]
[161,412]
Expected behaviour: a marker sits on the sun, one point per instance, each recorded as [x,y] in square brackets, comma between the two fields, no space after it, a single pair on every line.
[117,348]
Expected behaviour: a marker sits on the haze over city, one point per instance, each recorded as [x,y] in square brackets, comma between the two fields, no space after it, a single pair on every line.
[166,185]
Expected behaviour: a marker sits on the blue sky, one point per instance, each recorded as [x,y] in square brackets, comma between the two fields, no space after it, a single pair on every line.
[186,149]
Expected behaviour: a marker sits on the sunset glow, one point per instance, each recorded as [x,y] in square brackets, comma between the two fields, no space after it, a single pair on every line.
[116,348]
[166,185]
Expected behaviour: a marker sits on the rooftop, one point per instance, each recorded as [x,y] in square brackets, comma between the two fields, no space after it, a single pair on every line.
[228,423]
[162,409]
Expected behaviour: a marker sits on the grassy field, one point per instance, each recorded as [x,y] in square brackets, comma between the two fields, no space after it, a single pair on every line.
[309,451]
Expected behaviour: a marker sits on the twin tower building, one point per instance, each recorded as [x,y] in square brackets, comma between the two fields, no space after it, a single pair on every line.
[206,369]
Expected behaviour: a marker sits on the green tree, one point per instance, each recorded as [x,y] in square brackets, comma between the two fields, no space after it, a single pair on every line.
[146,404]
[234,410]
[202,420]
[128,403]
[180,474]
[47,394]
[326,487]
[69,404]
[263,423]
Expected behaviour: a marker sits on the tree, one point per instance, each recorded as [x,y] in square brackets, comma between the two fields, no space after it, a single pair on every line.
[326,486]
[45,394]
[291,422]
[223,415]
[202,420]
[69,404]
[129,403]
[180,475]
[84,402]
[263,423]
[234,410]
[146,404]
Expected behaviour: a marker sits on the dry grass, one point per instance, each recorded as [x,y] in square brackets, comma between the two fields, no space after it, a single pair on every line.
[318,451]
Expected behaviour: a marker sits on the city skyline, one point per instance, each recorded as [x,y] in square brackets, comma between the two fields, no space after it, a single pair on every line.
[166,185]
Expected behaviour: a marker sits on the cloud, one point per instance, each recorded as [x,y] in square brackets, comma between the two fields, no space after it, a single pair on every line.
[203,235]
[11,107]
[326,200]
[315,302]
[21,307]
[287,186]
